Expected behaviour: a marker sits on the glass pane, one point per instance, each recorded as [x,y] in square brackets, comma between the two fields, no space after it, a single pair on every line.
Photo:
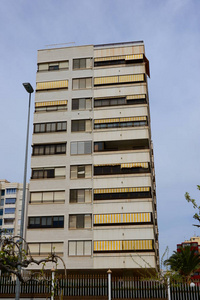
[72,222]
[88,221]
[73,172]
[59,196]
[81,196]
[82,63]
[34,248]
[73,196]
[80,221]
[80,247]
[81,172]
[75,63]
[48,196]
[88,248]
[45,248]
[80,147]
[75,104]
[88,83]
[37,128]
[88,103]
[82,103]
[57,247]
[88,147]
[74,148]
[75,84]
[36,197]
[72,248]
[82,83]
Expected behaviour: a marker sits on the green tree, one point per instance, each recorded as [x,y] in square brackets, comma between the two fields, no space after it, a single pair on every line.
[195,206]
[185,262]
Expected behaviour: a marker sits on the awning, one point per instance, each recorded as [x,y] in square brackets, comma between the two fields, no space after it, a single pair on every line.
[121,190]
[116,120]
[123,245]
[139,96]
[122,218]
[51,85]
[135,165]
[51,103]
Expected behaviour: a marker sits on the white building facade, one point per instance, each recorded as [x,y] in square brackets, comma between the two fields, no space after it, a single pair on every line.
[92,189]
[11,207]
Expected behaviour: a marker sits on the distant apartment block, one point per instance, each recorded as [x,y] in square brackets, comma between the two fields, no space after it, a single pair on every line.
[10,207]
[92,188]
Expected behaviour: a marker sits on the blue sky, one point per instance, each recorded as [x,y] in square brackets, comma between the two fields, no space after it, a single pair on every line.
[171,32]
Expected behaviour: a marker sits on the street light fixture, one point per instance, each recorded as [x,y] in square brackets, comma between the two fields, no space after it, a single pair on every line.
[30,90]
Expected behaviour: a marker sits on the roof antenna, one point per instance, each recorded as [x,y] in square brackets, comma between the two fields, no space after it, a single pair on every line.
[62,44]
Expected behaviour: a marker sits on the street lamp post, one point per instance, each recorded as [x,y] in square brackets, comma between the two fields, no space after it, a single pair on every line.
[30,90]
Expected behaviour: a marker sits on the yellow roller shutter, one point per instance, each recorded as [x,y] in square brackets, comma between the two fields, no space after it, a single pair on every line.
[105,80]
[51,103]
[51,85]
[131,78]
[139,96]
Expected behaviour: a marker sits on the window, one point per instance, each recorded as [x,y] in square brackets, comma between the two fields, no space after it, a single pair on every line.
[119,60]
[8,221]
[49,106]
[82,63]
[81,147]
[46,248]
[2,192]
[10,210]
[46,222]
[48,173]
[122,193]
[2,202]
[53,66]
[121,145]
[8,231]
[129,168]
[49,149]
[10,201]
[81,171]
[51,85]
[124,100]
[48,197]
[1,212]
[1,222]
[80,196]
[81,125]
[81,104]
[81,83]
[123,245]
[80,221]
[125,219]
[50,127]
[121,79]
[11,191]
[80,248]
[120,122]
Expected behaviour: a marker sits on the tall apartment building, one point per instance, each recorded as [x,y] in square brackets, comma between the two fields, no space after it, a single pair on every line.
[11,206]
[92,190]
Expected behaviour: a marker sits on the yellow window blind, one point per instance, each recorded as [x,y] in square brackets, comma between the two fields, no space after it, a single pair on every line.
[135,165]
[122,218]
[131,78]
[121,190]
[123,245]
[51,103]
[116,120]
[46,85]
[105,80]
[139,96]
